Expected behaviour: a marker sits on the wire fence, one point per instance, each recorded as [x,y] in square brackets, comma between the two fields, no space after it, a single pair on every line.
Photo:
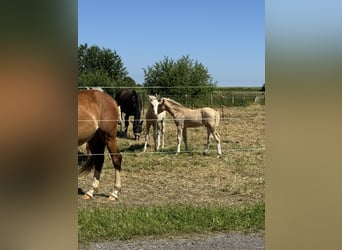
[217,98]
[220,99]
[195,151]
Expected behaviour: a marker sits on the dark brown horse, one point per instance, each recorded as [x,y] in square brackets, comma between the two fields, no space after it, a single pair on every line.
[98,116]
[131,104]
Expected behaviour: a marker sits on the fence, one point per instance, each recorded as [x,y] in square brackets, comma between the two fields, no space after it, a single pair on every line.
[239,130]
[219,97]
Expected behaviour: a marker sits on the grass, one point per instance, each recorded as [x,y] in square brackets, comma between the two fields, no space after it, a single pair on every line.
[164,193]
[100,224]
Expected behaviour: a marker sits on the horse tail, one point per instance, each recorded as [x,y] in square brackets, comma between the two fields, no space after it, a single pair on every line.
[88,165]
[95,147]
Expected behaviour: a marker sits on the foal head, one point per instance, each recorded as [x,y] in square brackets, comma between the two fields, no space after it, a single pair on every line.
[154,104]
[161,105]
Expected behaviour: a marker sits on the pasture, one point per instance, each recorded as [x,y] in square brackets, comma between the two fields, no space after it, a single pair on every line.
[163,179]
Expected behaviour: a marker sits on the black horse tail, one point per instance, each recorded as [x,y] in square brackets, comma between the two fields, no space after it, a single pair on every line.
[96,147]
[88,165]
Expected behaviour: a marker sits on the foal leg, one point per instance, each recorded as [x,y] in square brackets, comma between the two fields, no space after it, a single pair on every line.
[159,128]
[185,139]
[156,136]
[206,150]
[218,142]
[148,125]
[179,138]
[162,130]
[116,160]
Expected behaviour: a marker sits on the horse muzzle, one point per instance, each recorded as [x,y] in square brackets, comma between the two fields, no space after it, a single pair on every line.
[136,137]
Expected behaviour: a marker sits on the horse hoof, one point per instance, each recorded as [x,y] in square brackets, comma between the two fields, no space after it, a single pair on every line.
[86,197]
[112,198]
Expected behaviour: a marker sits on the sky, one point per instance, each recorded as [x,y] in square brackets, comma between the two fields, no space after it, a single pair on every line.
[226,36]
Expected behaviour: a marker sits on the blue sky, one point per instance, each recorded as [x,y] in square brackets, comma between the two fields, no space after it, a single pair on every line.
[226,36]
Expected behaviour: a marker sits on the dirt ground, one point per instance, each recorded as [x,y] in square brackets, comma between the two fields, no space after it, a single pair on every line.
[162,178]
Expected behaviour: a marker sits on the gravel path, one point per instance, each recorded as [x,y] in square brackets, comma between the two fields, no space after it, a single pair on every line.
[212,242]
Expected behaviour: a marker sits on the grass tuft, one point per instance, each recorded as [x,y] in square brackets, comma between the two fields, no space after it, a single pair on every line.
[99,224]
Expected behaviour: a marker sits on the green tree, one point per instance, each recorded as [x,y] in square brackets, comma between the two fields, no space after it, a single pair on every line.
[184,77]
[129,82]
[101,67]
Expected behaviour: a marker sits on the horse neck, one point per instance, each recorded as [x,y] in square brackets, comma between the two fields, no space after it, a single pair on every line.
[172,108]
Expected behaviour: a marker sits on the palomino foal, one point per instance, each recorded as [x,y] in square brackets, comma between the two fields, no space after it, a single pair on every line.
[188,118]
[157,121]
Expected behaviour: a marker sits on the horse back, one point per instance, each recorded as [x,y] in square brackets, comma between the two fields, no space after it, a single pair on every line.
[129,101]
[99,108]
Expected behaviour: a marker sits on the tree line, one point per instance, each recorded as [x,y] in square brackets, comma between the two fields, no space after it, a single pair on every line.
[168,77]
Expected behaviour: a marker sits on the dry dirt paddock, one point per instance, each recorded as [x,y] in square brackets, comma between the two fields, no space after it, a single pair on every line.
[164,178]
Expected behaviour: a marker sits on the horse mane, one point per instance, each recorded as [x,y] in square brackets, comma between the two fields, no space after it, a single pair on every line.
[176,106]
[174,102]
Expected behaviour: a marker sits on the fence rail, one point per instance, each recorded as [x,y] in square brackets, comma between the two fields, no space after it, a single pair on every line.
[220,97]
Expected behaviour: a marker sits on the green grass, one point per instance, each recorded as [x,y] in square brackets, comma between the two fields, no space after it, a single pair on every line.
[99,224]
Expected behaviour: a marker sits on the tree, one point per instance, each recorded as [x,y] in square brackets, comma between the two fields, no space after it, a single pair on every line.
[101,67]
[184,77]
[129,82]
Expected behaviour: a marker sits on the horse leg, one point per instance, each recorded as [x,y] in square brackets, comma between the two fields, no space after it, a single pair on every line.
[218,142]
[162,129]
[179,138]
[146,135]
[116,160]
[96,147]
[206,150]
[185,139]
[126,124]
[156,136]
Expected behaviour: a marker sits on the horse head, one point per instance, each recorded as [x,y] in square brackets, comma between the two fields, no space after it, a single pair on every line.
[137,128]
[161,105]
[154,104]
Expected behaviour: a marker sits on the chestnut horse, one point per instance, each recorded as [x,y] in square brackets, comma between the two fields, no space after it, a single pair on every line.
[98,116]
